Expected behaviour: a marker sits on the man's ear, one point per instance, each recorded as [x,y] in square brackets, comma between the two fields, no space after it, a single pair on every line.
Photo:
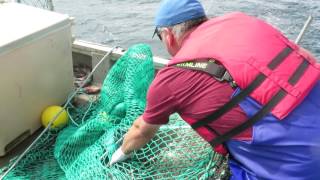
[170,41]
[169,37]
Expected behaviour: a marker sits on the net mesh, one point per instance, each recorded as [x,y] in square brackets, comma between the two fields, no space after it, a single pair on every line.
[83,149]
[44,4]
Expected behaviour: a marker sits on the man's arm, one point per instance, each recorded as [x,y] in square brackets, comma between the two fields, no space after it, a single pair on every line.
[160,104]
[138,135]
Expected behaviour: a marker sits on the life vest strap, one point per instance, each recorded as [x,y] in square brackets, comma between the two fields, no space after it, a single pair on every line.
[210,67]
[276,61]
[220,73]
[265,109]
[299,72]
[250,122]
[217,70]
[280,58]
[231,104]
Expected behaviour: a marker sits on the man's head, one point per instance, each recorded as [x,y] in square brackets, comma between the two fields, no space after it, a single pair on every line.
[176,19]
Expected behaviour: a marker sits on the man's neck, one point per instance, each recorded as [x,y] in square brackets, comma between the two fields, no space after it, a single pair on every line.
[185,36]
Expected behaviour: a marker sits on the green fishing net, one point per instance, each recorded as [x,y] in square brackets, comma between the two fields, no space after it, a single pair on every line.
[83,149]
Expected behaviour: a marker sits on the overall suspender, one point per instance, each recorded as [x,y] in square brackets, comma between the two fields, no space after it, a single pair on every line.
[221,74]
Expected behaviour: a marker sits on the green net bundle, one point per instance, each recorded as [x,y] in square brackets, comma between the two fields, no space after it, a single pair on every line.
[83,149]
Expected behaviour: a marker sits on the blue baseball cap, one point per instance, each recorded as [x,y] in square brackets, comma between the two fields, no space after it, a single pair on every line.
[172,12]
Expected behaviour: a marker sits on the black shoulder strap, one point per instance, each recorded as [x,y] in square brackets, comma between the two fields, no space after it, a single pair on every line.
[265,109]
[210,67]
[246,92]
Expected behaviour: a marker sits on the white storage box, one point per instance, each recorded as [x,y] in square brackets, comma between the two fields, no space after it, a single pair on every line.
[35,68]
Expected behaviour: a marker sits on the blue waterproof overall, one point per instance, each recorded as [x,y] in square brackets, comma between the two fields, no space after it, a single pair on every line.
[288,149]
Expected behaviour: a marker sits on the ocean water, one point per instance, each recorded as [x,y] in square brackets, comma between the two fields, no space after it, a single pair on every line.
[127,22]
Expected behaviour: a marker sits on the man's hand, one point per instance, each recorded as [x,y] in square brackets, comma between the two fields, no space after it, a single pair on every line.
[138,136]
[119,156]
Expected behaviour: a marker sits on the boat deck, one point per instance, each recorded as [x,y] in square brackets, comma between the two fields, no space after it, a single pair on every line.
[19,149]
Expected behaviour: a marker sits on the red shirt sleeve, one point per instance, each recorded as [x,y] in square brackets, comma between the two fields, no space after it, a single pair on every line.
[160,102]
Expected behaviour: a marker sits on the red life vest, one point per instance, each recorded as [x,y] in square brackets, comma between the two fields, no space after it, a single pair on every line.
[247,47]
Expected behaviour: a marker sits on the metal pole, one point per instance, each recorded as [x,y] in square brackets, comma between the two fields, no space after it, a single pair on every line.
[57,115]
[302,32]
[51,7]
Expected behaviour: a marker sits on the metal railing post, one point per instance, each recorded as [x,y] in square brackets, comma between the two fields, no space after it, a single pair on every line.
[50,4]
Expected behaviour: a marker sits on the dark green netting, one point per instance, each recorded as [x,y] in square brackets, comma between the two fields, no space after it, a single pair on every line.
[83,151]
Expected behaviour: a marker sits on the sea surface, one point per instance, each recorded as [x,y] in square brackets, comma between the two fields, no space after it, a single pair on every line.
[127,22]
